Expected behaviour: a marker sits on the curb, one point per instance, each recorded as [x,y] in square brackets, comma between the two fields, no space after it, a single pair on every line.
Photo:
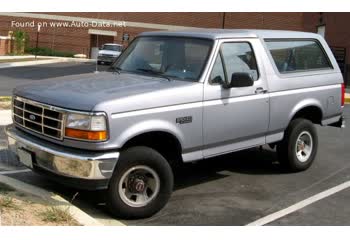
[54,199]
[5,117]
[347,98]
[40,62]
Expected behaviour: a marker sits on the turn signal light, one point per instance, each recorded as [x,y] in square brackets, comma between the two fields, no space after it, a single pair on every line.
[86,135]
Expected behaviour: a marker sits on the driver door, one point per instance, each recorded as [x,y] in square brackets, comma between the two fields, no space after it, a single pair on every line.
[235,118]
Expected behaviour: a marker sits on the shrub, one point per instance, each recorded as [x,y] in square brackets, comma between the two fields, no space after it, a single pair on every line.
[21,39]
[43,51]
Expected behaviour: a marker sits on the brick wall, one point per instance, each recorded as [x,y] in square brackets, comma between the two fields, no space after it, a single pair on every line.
[4,46]
[78,40]
[337,30]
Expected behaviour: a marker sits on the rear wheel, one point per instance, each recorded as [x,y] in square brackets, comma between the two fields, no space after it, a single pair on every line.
[298,149]
[141,184]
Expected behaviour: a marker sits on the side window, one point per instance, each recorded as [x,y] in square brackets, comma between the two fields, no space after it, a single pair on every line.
[217,75]
[239,57]
[297,55]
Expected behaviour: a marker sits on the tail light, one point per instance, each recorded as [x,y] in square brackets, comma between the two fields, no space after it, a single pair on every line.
[342,94]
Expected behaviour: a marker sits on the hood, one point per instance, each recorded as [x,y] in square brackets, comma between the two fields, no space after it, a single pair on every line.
[109,52]
[108,91]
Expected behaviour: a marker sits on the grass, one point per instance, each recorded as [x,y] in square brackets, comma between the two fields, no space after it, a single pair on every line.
[7,202]
[21,60]
[56,215]
[5,102]
[5,99]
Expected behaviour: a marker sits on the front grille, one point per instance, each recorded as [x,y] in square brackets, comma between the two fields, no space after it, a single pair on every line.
[107,55]
[38,118]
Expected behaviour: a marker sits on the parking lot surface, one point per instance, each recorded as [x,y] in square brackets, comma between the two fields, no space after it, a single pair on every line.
[11,77]
[235,189]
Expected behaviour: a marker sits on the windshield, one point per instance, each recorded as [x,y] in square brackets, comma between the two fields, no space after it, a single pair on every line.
[112,47]
[173,57]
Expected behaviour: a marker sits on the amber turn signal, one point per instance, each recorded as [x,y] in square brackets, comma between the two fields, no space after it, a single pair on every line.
[86,135]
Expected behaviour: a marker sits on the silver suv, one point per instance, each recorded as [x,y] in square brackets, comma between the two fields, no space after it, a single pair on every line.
[178,97]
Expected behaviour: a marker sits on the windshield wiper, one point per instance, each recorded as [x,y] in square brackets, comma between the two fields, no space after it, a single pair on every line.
[160,74]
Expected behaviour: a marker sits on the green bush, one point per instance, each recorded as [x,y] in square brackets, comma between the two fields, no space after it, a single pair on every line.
[21,40]
[43,51]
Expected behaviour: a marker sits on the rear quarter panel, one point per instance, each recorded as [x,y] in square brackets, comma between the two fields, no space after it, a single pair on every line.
[291,92]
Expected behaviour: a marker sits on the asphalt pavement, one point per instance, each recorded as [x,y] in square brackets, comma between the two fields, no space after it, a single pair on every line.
[235,189]
[11,77]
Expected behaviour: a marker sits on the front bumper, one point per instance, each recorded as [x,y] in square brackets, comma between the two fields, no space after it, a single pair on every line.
[74,164]
[107,59]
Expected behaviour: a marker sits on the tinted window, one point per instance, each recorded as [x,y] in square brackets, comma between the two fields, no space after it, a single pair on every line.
[112,47]
[297,55]
[239,57]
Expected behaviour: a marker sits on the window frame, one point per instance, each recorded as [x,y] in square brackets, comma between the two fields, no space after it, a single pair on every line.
[219,53]
[331,67]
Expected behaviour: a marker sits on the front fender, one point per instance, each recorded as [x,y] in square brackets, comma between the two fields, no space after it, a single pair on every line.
[149,126]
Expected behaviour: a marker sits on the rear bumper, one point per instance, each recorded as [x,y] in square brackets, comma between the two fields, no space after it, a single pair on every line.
[72,164]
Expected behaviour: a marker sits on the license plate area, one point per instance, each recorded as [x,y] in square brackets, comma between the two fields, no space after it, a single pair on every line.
[25,157]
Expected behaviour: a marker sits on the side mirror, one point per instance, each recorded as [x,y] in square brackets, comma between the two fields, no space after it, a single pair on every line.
[240,79]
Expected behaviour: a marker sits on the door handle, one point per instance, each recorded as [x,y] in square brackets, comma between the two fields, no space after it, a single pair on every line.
[260,90]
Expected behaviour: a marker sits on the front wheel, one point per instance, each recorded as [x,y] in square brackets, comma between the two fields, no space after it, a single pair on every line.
[141,184]
[298,149]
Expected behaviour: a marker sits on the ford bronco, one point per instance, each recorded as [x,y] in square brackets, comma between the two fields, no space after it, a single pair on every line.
[178,97]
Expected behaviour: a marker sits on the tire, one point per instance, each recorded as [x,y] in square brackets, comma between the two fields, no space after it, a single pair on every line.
[99,63]
[144,160]
[287,149]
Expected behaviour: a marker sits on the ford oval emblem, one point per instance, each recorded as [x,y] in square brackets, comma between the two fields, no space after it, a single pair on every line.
[32,117]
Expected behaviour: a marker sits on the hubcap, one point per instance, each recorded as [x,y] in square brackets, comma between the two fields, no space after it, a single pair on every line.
[139,186]
[303,147]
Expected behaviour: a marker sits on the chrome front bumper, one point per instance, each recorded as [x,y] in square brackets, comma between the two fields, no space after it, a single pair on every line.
[106,59]
[63,161]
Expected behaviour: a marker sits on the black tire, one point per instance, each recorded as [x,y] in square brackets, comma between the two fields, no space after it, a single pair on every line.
[140,156]
[286,149]
[99,62]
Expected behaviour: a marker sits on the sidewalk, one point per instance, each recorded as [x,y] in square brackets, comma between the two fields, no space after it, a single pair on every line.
[7,164]
[45,60]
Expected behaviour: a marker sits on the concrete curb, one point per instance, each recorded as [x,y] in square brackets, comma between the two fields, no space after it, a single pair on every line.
[39,62]
[5,117]
[347,98]
[56,200]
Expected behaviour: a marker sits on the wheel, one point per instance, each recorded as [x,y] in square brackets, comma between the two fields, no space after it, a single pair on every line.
[298,149]
[141,184]
[99,62]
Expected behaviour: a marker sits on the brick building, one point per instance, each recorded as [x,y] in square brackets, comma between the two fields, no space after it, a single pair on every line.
[100,28]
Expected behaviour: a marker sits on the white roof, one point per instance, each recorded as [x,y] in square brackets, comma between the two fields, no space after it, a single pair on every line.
[211,33]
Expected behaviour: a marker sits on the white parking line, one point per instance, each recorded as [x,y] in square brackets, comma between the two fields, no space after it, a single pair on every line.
[15,171]
[274,216]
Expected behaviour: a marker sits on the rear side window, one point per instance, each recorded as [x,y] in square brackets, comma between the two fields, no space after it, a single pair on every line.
[297,55]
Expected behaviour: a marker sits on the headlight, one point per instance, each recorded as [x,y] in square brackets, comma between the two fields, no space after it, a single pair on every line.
[86,127]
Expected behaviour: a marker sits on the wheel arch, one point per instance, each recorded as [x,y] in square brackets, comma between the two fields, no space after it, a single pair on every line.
[164,142]
[310,109]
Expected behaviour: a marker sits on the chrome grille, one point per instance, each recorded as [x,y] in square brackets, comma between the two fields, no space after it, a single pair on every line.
[38,117]
[107,55]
